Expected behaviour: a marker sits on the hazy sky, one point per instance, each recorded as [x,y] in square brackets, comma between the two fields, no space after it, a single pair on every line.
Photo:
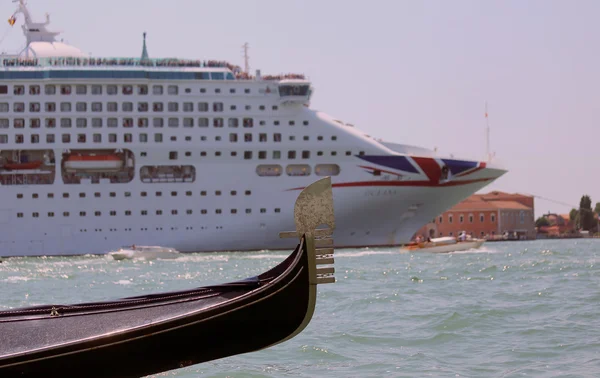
[416,72]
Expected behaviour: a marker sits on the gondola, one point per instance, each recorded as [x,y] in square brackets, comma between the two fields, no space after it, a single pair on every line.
[144,335]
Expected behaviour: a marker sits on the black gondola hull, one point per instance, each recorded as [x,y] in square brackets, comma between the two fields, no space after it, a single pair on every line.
[233,319]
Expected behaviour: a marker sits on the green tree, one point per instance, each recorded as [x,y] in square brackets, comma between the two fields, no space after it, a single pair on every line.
[597,208]
[586,215]
[541,222]
[573,214]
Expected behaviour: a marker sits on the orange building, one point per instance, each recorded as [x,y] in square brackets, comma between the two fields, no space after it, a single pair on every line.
[490,215]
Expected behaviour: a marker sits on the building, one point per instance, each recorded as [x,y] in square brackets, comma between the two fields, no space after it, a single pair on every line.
[492,215]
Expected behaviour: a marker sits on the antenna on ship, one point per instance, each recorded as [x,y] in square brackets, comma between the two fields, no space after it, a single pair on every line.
[487,134]
[246,57]
[144,49]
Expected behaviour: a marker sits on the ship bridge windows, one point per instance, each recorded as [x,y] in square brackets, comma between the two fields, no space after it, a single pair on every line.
[269,170]
[4,107]
[157,89]
[81,89]
[19,90]
[217,76]
[96,90]
[286,90]
[65,89]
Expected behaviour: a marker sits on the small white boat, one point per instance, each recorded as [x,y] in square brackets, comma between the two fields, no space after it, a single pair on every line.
[444,245]
[145,252]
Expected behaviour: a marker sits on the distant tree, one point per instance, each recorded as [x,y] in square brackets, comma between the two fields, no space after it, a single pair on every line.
[573,214]
[541,222]
[586,215]
[597,208]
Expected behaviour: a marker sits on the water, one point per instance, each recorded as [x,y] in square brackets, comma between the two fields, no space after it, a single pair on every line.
[506,310]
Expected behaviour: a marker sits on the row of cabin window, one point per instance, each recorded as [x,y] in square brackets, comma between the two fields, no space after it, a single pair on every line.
[218,122]
[36,107]
[145,212]
[275,170]
[66,89]
[128,138]
[188,193]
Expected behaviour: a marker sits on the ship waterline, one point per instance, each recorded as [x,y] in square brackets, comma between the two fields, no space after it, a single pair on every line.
[198,155]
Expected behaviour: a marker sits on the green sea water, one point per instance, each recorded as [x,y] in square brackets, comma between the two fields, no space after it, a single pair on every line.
[510,309]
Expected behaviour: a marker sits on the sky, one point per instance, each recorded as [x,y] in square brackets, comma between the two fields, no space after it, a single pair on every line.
[414,72]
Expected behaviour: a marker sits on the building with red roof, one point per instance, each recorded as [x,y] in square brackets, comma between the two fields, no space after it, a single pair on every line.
[489,215]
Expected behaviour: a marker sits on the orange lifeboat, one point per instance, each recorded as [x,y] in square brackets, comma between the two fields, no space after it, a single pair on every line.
[96,163]
[11,166]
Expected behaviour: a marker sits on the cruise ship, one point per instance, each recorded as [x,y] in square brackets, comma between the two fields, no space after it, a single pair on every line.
[197,155]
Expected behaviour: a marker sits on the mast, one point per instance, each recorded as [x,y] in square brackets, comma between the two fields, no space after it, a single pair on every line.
[246,58]
[487,135]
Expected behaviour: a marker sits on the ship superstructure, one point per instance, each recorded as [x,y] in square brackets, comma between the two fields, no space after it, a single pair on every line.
[96,153]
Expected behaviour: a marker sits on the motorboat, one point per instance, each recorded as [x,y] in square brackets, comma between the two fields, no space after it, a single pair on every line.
[154,333]
[444,245]
[145,252]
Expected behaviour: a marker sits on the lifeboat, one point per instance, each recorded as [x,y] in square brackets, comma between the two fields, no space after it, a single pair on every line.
[98,163]
[22,166]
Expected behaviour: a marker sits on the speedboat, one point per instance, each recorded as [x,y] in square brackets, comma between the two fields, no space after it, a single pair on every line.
[154,333]
[444,245]
[145,252]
